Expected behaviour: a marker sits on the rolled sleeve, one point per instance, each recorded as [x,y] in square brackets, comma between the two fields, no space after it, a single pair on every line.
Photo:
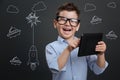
[51,57]
[54,67]
[93,65]
[98,70]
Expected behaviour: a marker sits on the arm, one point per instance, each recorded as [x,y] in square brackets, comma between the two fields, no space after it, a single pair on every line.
[101,47]
[98,63]
[62,59]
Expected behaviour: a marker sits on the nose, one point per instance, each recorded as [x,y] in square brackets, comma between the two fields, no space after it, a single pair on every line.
[67,22]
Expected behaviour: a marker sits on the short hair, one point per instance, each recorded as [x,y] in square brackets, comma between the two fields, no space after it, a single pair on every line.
[69,6]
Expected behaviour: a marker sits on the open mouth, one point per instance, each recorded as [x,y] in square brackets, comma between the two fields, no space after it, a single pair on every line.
[67,29]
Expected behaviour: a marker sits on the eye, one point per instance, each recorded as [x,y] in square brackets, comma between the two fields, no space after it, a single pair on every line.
[62,18]
[74,20]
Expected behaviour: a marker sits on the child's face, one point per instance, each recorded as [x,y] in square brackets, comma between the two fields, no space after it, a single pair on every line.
[66,30]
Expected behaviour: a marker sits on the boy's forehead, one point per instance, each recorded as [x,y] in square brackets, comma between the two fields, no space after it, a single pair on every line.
[69,14]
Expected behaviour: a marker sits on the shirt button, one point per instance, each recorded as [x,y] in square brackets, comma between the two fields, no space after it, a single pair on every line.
[72,62]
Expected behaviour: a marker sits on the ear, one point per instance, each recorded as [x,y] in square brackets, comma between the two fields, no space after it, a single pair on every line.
[77,28]
[54,23]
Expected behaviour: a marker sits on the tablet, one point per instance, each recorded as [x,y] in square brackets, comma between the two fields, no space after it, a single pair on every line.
[88,43]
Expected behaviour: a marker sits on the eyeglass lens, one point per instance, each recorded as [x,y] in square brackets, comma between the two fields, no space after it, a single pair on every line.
[62,20]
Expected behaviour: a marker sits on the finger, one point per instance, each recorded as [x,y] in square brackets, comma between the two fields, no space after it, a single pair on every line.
[101,42]
[76,44]
[97,46]
[100,49]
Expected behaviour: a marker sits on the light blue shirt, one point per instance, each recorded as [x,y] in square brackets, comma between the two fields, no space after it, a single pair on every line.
[75,68]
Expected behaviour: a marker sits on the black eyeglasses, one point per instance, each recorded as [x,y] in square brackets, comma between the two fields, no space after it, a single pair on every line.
[62,20]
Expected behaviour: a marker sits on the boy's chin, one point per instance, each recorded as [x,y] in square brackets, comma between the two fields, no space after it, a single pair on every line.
[67,36]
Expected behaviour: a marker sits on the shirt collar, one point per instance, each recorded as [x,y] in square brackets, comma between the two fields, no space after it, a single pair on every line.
[61,39]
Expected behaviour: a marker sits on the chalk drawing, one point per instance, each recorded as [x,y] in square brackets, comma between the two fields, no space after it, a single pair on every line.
[33,56]
[39,6]
[33,19]
[13,32]
[15,61]
[111,5]
[111,35]
[96,20]
[89,7]
[12,9]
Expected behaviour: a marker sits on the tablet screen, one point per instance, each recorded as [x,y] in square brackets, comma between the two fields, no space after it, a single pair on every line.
[88,43]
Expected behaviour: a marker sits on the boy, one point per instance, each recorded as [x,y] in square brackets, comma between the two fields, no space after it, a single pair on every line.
[61,55]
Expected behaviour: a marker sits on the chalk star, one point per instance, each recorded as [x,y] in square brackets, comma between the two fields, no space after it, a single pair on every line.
[32,18]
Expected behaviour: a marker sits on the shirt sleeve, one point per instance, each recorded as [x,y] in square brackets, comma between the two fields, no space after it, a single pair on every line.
[93,65]
[51,57]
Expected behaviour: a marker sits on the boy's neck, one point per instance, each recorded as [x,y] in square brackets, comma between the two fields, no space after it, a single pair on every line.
[69,39]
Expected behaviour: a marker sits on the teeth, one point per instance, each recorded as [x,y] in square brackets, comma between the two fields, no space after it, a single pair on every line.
[66,29]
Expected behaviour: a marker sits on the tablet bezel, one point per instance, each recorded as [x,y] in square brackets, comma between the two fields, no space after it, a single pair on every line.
[88,43]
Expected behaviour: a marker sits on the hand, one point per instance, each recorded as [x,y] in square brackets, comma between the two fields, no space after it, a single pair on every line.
[74,43]
[101,47]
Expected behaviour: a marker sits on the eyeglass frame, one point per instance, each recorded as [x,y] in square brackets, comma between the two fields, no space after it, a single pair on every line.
[67,19]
